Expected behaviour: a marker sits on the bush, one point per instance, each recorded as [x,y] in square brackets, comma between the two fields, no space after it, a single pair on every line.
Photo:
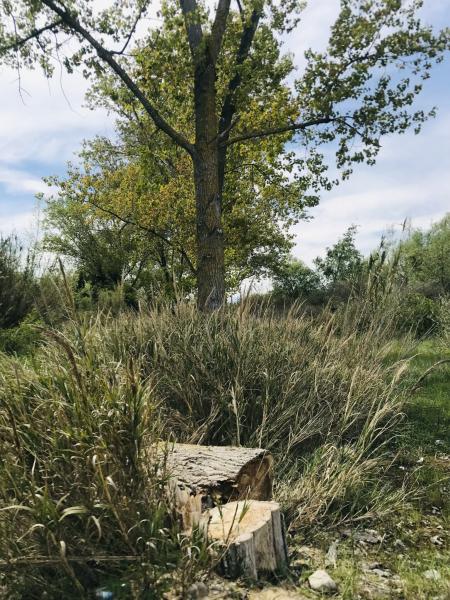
[295,280]
[21,339]
[418,313]
[17,282]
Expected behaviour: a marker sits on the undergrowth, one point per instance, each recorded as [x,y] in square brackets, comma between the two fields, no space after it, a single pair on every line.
[79,417]
[82,491]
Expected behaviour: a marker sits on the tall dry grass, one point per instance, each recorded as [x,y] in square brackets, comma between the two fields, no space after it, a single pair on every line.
[82,494]
[323,394]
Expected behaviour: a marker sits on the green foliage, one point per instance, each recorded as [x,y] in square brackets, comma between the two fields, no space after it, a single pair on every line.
[377,57]
[419,268]
[106,251]
[363,87]
[21,339]
[342,262]
[364,84]
[334,276]
[294,280]
[412,274]
[418,313]
[17,282]
[425,259]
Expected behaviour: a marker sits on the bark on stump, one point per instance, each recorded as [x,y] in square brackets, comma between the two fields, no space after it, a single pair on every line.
[205,476]
[250,536]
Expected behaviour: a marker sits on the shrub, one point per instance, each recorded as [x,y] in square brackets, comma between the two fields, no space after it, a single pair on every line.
[17,282]
[295,280]
[21,339]
[418,313]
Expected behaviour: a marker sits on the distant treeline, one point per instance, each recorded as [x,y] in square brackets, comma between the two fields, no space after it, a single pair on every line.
[110,268]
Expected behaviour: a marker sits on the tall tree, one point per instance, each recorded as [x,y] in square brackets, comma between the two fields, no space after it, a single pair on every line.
[146,200]
[362,88]
[342,262]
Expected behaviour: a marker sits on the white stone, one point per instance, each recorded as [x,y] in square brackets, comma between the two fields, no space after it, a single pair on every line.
[320,581]
[432,574]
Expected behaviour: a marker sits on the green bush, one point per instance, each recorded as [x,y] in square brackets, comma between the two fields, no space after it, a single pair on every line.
[17,282]
[21,339]
[418,313]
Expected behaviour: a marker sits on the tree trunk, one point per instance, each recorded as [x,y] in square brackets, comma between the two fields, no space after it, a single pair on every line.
[250,535]
[210,239]
[203,476]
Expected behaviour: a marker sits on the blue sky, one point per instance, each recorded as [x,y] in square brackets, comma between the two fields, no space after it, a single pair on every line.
[40,133]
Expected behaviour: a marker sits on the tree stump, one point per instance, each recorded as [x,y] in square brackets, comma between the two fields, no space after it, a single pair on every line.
[202,477]
[250,536]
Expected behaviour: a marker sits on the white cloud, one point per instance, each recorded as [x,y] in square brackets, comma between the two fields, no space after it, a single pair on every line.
[23,223]
[410,180]
[37,137]
[44,127]
[19,182]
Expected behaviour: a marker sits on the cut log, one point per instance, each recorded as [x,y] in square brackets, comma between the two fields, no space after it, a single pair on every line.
[205,476]
[250,537]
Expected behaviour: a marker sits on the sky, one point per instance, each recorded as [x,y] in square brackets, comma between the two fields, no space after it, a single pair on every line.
[43,127]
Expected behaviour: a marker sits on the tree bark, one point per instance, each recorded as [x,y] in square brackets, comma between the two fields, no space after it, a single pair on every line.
[203,476]
[210,238]
[208,196]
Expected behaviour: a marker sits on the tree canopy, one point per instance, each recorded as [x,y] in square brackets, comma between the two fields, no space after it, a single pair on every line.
[210,110]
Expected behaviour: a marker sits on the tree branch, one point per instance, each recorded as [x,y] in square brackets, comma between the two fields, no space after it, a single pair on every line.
[150,230]
[133,29]
[193,26]
[35,33]
[218,27]
[251,135]
[72,22]
[248,34]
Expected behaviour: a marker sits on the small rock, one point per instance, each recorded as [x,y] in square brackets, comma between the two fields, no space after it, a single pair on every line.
[377,569]
[368,536]
[197,590]
[399,544]
[381,572]
[320,581]
[331,555]
[436,540]
[432,574]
